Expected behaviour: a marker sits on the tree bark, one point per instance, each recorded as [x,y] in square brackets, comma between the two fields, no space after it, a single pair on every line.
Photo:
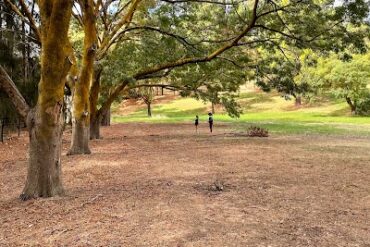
[105,120]
[81,104]
[45,120]
[44,169]
[95,127]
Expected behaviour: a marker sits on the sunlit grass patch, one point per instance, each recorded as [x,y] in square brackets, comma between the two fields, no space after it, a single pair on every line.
[266,110]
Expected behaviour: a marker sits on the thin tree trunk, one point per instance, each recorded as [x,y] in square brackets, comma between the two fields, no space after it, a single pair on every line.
[24,55]
[351,105]
[81,104]
[298,101]
[19,125]
[149,105]
[94,96]
[2,130]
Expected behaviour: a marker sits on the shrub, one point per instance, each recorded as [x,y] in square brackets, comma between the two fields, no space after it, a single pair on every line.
[363,106]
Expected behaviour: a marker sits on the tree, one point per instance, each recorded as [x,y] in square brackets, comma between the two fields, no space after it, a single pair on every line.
[146,94]
[44,122]
[112,26]
[348,80]
[226,31]
[81,104]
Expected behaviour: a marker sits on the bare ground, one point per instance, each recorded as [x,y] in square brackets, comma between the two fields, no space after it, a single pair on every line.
[158,185]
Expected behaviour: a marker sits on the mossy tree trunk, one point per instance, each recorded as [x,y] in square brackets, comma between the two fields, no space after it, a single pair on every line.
[44,122]
[81,105]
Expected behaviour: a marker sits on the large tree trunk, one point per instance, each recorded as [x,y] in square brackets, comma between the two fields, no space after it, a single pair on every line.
[44,169]
[95,127]
[45,121]
[81,104]
[108,102]
[105,120]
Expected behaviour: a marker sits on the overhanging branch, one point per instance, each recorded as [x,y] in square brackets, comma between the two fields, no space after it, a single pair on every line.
[184,61]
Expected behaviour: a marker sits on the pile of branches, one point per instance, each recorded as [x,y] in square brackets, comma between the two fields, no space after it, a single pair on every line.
[255,131]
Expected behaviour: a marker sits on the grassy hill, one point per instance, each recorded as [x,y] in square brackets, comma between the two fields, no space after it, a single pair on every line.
[267,110]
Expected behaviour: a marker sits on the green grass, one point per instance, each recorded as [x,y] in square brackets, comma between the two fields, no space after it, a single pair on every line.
[266,110]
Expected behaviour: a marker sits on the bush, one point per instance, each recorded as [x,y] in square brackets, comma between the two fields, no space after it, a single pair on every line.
[363,106]
[255,131]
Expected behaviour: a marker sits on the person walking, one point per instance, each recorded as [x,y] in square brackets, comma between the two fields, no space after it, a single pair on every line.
[196,122]
[210,121]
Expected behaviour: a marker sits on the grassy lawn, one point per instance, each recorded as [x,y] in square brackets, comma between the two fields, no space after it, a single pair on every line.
[267,110]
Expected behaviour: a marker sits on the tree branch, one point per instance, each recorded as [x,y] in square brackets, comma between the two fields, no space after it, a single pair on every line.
[142,74]
[114,33]
[13,93]
[203,1]
[29,19]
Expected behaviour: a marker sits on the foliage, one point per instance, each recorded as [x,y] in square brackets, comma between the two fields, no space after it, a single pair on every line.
[166,32]
[348,80]
[279,72]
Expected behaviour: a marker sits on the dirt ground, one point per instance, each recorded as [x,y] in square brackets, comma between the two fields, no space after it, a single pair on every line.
[163,185]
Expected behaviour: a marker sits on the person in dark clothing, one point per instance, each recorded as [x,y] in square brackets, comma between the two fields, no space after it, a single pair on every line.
[210,121]
[196,122]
